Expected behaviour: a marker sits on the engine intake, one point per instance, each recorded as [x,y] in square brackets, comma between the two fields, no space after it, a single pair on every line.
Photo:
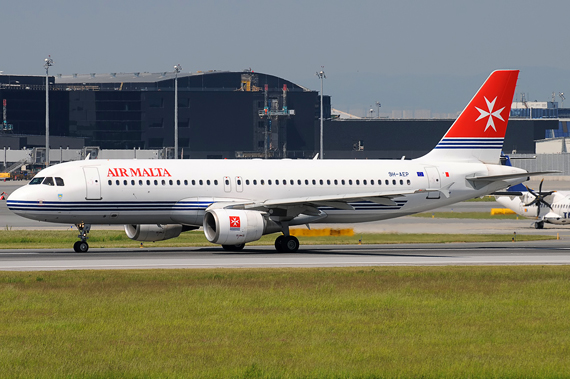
[155,232]
[233,227]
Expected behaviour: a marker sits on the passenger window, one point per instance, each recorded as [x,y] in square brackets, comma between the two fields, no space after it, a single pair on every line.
[387,182]
[178,182]
[110,182]
[170,182]
[254,182]
[193,182]
[342,182]
[350,181]
[329,182]
[335,182]
[164,182]
[215,182]
[125,182]
[48,181]
[208,182]
[401,182]
[132,182]
[156,182]
[201,182]
[148,182]
[269,182]
[37,181]
[357,182]
[372,182]
[239,182]
[299,181]
[364,182]
[247,182]
[185,182]
[59,182]
[284,182]
[140,182]
[394,181]
[117,182]
[262,182]
[314,182]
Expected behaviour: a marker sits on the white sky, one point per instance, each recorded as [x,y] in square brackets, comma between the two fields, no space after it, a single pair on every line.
[373,49]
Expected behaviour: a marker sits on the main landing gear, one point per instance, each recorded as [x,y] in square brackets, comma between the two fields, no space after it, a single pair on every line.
[237,247]
[539,225]
[82,246]
[286,244]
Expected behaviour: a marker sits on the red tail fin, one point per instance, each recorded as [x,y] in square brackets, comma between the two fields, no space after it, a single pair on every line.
[479,131]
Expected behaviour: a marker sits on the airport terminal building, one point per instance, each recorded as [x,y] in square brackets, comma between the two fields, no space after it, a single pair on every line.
[220,115]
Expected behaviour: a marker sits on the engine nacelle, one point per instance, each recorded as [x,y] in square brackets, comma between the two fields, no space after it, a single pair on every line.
[233,226]
[155,232]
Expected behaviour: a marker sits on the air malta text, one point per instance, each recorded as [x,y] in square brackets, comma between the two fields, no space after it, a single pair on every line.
[138,172]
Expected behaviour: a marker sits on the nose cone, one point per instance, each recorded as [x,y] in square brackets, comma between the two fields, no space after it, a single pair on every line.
[21,201]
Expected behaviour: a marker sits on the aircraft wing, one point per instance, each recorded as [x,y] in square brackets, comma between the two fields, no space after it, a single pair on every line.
[310,204]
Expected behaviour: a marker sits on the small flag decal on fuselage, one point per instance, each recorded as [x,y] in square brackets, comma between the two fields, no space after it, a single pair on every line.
[420,173]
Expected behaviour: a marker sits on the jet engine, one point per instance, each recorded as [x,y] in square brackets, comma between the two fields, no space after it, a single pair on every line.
[233,226]
[155,232]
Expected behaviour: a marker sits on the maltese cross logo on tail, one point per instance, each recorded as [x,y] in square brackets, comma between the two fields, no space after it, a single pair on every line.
[490,114]
[234,222]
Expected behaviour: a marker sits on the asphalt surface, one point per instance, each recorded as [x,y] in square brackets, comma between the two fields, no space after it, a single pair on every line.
[514,253]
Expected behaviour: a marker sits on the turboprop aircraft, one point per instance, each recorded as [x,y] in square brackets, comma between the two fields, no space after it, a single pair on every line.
[238,201]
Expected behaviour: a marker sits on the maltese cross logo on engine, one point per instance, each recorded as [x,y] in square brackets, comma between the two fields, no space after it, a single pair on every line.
[490,114]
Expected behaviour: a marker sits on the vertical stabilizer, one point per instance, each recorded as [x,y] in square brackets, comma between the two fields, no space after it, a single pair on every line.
[479,131]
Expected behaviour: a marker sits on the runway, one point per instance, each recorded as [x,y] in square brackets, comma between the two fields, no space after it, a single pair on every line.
[554,252]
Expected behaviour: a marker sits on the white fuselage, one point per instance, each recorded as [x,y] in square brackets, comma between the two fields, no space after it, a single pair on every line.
[179,191]
[559,201]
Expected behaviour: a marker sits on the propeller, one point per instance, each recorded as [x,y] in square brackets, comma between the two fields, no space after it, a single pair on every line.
[539,198]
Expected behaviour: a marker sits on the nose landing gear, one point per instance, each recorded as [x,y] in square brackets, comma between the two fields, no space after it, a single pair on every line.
[82,246]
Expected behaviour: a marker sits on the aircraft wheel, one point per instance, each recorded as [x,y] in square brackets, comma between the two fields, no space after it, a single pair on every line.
[289,244]
[80,247]
[278,243]
[237,247]
[539,225]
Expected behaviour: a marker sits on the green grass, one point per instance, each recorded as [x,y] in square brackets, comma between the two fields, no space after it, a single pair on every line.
[53,239]
[389,322]
[483,198]
[470,215]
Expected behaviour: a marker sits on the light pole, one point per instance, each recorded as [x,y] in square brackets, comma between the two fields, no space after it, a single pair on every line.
[48,63]
[378,105]
[177,69]
[321,75]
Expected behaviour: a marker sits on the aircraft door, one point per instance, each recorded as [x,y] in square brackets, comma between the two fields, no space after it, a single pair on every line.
[239,184]
[434,182]
[227,184]
[92,183]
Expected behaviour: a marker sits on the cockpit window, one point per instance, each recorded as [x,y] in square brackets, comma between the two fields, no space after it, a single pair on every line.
[59,181]
[37,180]
[48,181]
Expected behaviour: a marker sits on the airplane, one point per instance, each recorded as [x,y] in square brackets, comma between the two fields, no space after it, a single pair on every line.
[551,207]
[238,201]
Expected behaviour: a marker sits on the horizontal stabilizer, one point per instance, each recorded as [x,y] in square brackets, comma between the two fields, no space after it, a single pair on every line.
[494,178]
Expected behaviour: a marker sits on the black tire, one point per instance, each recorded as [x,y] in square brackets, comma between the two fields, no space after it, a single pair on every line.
[76,246]
[539,225]
[278,243]
[290,244]
[233,247]
[82,247]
